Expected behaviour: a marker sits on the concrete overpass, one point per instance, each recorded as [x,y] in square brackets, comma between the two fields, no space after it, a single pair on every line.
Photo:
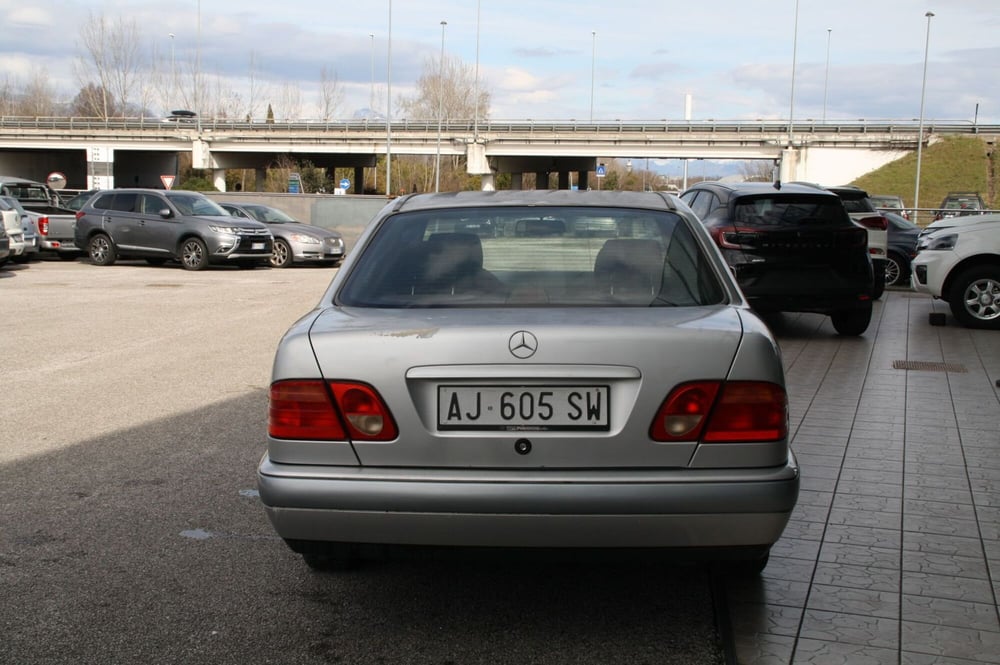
[137,152]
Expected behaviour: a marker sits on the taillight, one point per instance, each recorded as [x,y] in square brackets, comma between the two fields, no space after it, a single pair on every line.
[43,225]
[723,412]
[735,237]
[303,410]
[367,416]
[874,222]
[317,410]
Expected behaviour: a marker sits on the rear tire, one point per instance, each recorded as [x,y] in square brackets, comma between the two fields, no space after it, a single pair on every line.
[852,322]
[101,250]
[975,297]
[326,557]
[897,272]
[281,256]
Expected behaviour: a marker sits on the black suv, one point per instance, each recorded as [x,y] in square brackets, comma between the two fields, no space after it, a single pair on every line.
[960,204]
[792,248]
[159,225]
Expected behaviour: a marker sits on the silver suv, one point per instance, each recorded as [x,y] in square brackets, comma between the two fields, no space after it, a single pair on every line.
[159,226]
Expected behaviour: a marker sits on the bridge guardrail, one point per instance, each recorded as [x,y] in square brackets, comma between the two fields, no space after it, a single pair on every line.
[861,126]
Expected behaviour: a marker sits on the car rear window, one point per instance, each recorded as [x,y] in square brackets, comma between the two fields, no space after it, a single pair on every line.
[523,257]
[776,212]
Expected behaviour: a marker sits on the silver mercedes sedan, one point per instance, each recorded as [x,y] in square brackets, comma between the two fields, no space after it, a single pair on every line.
[530,371]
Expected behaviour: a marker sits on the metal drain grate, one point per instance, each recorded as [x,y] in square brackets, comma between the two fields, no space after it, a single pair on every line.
[924,366]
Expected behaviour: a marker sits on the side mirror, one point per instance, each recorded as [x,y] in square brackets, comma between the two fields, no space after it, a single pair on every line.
[165,213]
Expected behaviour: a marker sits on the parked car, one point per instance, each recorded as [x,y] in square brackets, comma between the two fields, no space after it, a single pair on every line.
[960,264]
[159,226]
[903,235]
[32,241]
[53,223]
[792,247]
[889,203]
[294,241]
[960,204]
[862,210]
[10,220]
[4,247]
[529,393]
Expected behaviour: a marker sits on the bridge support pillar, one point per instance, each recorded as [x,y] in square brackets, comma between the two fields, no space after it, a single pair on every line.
[517,181]
[359,180]
[563,180]
[261,178]
[789,169]
[219,179]
[581,180]
[489,182]
[541,180]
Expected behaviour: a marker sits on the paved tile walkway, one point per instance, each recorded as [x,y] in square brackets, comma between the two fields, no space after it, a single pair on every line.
[893,552]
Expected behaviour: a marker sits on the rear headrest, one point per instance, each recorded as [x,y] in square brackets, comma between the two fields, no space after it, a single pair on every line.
[457,250]
[639,254]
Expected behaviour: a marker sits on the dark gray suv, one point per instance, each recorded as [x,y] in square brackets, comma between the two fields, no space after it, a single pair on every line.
[160,226]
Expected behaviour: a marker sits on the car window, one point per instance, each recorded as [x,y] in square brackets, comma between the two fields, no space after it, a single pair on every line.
[150,204]
[858,204]
[518,257]
[775,212]
[195,204]
[267,214]
[124,202]
[704,203]
[103,202]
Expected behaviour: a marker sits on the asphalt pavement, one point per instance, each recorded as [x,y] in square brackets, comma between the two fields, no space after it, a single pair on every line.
[133,416]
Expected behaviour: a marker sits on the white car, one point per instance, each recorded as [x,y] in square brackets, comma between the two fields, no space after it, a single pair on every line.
[960,264]
[10,219]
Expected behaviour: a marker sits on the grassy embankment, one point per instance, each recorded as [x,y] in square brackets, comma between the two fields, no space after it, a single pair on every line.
[958,164]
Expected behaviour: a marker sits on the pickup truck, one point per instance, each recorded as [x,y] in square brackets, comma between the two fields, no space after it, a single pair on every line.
[55,224]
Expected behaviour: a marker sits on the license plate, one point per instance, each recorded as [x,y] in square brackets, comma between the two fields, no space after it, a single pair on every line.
[523,408]
[257,245]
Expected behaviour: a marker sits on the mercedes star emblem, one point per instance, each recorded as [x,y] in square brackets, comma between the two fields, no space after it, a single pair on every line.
[523,344]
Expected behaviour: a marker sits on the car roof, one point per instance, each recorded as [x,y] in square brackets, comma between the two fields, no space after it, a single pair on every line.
[535,197]
[750,188]
[25,181]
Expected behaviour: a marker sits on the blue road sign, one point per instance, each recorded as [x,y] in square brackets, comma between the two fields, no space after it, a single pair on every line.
[345,183]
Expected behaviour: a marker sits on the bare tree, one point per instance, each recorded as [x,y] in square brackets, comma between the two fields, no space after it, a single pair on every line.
[447,87]
[39,98]
[255,90]
[289,101]
[7,96]
[331,95]
[757,170]
[111,55]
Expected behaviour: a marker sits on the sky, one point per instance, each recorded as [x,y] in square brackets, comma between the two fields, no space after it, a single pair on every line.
[563,60]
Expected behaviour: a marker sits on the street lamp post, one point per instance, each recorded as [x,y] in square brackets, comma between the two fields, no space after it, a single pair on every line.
[371,95]
[437,165]
[920,130]
[371,104]
[791,102]
[826,77]
[173,72]
[593,68]
[475,117]
[388,110]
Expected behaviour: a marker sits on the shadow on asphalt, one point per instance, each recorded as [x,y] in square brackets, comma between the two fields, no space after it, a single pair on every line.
[150,545]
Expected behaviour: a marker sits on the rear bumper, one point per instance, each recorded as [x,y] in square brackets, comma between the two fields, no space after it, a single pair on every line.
[585,509]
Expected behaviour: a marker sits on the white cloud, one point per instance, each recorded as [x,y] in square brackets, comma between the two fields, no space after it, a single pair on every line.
[29,16]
